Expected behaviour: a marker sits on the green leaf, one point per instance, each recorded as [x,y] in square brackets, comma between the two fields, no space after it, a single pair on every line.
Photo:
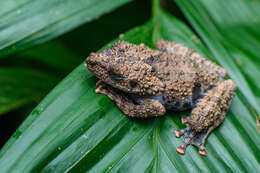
[20,86]
[230,30]
[30,22]
[75,130]
[54,54]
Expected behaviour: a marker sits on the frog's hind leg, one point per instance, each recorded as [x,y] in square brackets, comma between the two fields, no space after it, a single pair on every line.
[208,114]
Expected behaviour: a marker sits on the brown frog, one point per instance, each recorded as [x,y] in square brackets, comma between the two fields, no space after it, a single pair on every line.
[146,83]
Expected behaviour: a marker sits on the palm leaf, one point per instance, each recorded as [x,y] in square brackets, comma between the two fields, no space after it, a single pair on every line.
[30,22]
[16,90]
[75,130]
[229,28]
[53,54]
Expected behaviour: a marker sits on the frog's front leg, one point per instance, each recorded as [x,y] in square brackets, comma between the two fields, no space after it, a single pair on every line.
[208,114]
[148,108]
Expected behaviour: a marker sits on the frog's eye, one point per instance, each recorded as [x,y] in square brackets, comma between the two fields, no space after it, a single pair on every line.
[116,77]
[133,83]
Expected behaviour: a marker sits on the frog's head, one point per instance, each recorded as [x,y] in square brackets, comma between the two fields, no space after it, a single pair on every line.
[124,70]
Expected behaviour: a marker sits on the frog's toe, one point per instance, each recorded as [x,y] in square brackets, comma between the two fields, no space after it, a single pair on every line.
[201,147]
[188,135]
[100,90]
[179,133]
[184,120]
[199,140]
[202,152]
[181,149]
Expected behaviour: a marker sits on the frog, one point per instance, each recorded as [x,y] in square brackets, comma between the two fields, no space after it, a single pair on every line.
[145,82]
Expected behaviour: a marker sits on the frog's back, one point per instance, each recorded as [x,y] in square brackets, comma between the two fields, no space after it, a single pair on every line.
[182,70]
[186,80]
[188,53]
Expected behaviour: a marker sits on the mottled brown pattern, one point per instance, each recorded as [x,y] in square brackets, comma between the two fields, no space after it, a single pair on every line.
[183,51]
[145,82]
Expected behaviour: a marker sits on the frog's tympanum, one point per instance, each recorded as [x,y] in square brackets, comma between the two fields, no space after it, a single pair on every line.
[144,83]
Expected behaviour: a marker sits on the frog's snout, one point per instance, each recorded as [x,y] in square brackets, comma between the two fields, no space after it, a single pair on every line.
[91,60]
[230,85]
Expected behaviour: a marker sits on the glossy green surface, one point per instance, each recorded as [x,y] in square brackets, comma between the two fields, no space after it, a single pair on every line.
[26,23]
[231,31]
[17,90]
[75,130]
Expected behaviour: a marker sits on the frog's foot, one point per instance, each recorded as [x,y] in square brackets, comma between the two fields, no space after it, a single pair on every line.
[190,136]
[179,133]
